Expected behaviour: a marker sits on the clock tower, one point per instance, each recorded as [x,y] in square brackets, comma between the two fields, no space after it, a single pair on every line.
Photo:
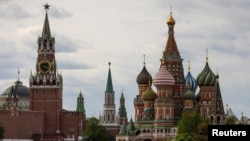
[46,84]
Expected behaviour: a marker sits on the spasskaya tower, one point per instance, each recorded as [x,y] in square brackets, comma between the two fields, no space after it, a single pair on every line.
[46,84]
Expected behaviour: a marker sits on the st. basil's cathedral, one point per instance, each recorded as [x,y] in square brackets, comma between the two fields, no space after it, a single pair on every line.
[36,112]
[158,112]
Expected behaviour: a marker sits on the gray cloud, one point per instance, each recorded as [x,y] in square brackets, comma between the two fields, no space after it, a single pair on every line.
[13,12]
[66,44]
[59,13]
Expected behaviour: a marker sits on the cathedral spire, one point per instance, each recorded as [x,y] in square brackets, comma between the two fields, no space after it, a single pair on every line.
[46,28]
[171,50]
[109,87]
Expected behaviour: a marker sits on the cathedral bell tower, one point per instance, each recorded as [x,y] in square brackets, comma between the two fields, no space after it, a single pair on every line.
[46,84]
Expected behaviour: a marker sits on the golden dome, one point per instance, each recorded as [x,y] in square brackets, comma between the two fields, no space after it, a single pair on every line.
[171,19]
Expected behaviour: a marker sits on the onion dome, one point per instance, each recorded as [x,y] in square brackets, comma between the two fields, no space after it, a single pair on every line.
[144,77]
[163,76]
[190,80]
[206,77]
[149,94]
[189,94]
[171,20]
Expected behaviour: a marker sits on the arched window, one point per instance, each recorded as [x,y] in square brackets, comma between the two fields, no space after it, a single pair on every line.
[218,120]
[212,119]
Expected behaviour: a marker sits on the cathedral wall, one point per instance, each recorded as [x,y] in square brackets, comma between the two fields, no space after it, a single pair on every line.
[23,123]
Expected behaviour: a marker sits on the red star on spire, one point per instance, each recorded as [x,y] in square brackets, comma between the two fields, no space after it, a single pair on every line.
[46,6]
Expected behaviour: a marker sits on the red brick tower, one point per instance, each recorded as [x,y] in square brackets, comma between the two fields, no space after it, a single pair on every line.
[174,65]
[46,84]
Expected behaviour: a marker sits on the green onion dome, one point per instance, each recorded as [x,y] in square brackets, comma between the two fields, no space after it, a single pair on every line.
[206,77]
[149,94]
[189,94]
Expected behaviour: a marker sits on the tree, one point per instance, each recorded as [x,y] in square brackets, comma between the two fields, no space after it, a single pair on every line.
[1,131]
[230,120]
[188,123]
[192,127]
[202,133]
[184,137]
[94,131]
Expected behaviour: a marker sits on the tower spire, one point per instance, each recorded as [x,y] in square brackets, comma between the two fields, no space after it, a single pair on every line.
[109,86]
[46,34]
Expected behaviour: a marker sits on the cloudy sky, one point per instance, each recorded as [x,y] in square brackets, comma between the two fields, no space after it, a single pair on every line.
[90,33]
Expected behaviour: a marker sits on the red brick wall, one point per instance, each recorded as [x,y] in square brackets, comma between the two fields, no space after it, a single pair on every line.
[73,123]
[21,126]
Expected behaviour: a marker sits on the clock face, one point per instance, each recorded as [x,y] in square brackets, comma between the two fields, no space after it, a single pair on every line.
[44,66]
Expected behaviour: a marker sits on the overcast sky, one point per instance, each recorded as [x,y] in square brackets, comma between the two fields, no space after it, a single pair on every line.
[90,33]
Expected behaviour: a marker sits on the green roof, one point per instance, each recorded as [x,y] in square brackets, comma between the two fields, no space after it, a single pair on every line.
[80,104]
[109,86]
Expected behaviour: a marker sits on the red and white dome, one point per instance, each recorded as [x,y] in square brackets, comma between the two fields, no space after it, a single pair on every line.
[163,76]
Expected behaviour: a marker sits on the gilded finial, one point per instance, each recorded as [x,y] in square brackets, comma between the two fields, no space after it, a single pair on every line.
[171,19]
[149,80]
[206,55]
[171,10]
[163,59]
[189,65]
[144,62]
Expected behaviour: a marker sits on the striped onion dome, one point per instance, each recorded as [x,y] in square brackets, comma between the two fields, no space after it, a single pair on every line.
[206,77]
[163,76]
[190,80]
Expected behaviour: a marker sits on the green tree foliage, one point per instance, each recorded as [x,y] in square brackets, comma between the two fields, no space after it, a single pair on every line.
[230,120]
[1,131]
[94,131]
[192,127]
[188,123]
[201,134]
[184,137]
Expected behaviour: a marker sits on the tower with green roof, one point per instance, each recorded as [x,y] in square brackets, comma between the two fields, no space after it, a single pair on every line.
[122,110]
[109,112]
[109,118]
[80,103]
